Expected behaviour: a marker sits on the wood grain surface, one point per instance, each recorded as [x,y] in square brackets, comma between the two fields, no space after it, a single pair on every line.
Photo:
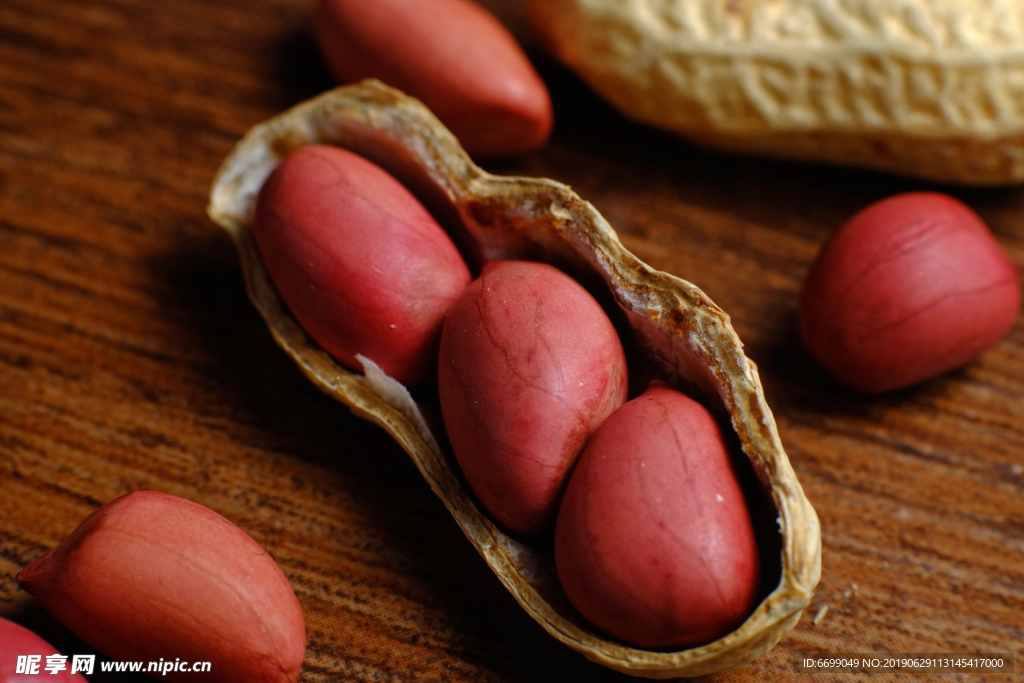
[130,358]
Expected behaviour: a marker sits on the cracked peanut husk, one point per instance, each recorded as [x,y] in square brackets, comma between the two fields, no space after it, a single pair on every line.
[673,329]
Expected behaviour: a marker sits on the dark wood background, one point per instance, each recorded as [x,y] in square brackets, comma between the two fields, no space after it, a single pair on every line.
[131,359]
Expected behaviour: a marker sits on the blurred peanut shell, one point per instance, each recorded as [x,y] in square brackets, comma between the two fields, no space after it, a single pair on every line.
[926,88]
[672,329]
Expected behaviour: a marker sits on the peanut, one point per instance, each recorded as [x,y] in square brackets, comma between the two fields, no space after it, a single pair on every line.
[909,288]
[530,365]
[674,329]
[150,576]
[16,641]
[453,55]
[918,87]
[654,543]
[362,265]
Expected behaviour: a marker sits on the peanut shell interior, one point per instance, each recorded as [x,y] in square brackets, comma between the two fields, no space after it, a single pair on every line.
[674,330]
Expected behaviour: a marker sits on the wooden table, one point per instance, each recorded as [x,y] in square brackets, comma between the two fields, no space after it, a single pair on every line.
[130,358]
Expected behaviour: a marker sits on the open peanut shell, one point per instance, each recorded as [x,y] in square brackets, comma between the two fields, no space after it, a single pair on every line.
[670,328]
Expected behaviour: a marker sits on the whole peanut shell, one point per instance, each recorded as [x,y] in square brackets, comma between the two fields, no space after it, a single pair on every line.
[926,88]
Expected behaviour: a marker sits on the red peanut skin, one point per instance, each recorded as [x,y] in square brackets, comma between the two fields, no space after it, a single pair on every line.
[150,576]
[16,640]
[909,288]
[453,55]
[362,265]
[530,365]
[654,543]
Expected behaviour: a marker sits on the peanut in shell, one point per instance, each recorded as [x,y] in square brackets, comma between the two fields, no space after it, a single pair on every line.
[924,88]
[675,331]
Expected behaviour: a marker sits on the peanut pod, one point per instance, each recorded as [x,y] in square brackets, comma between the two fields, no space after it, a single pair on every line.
[926,88]
[671,326]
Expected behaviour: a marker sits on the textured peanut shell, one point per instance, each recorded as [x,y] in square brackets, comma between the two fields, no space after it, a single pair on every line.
[928,88]
[677,328]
